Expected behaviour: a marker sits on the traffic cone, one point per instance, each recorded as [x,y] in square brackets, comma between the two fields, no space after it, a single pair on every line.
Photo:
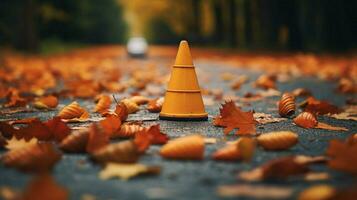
[183,99]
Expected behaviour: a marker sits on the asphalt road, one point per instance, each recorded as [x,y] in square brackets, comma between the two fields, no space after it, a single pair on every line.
[197,179]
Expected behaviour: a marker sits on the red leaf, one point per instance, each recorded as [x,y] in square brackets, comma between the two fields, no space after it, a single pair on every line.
[110,124]
[320,107]
[97,138]
[122,111]
[58,129]
[233,117]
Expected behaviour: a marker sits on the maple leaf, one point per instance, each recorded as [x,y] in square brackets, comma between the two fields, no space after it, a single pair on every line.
[126,171]
[155,136]
[233,117]
[44,187]
[97,138]
[19,143]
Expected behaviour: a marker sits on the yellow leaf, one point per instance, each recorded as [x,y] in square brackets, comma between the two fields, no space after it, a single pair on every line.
[126,171]
[16,144]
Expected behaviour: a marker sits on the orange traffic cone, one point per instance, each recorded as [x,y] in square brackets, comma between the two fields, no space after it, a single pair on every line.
[183,99]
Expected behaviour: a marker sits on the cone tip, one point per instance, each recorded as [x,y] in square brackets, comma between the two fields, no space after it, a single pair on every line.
[183,42]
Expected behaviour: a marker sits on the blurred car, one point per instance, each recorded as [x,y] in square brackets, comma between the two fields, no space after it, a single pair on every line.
[137,47]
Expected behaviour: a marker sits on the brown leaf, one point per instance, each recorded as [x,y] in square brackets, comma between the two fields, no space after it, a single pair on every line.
[321,125]
[121,152]
[155,135]
[255,191]
[286,105]
[14,99]
[111,124]
[306,120]
[58,129]
[23,121]
[44,187]
[32,158]
[128,130]
[320,107]
[266,82]
[19,143]
[155,105]
[343,156]
[349,113]
[97,138]
[76,142]
[233,117]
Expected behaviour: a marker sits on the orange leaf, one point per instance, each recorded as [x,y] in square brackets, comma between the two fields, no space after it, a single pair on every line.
[188,147]
[38,157]
[46,102]
[73,110]
[45,187]
[122,111]
[103,104]
[76,142]
[110,124]
[233,117]
[23,121]
[97,138]
[14,99]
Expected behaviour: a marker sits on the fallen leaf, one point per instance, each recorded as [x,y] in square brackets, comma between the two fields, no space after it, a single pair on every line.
[232,117]
[58,129]
[281,168]
[23,121]
[131,106]
[299,92]
[155,135]
[349,113]
[263,118]
[343,156]
[324,126]
[255,191]
[110,125]
[121,152]
[278,140]
[319,107]
[73,110]
[76,142]
[103,104]
[38,157]
[318,192]
[187,147]
[97,138]
[122,111]
[44,187]
[266,82]
[46,102]
[155,105]
[127,171]
[14,99]
[19,143]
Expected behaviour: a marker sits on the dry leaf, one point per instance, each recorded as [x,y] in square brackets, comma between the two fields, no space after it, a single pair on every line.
[299,92]
[76,142]
[263,118]
[130,105]
[19,143]
[317,192]
[255,191]
[265,82]
[188,147]
[128,130]
[32,158]
[97,138]
[121,152]
[246,147]
[14,99]
[155,135]
[139,100]
[286,105]
[233,117]
[122,111]
[279,140]
[44,187]
[103,104]
[319,107]
[155,105]
[281,168]
[46,102]
[110,125]
[349,113]
[228,153]
[23,121]
[321,125]
[126,171]
[306,120]
[73,110]
[343,156]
